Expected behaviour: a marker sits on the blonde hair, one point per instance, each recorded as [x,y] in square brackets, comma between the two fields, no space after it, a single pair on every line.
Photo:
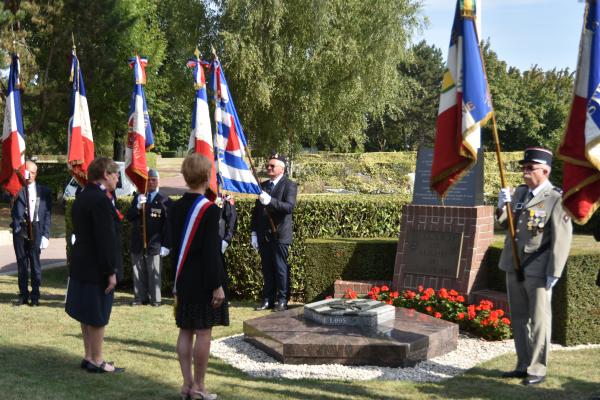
[196,170]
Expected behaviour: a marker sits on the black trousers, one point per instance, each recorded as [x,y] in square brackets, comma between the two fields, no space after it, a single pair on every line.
[28,258]
[275,268]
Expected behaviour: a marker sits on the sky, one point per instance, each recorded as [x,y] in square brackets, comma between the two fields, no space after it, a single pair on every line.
[522,32]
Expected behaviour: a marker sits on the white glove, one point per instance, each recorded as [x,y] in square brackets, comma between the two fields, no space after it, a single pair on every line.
[504,197]
[254,241]
[550,281]
[224,246]
[264,198]
[73,238]
[164,251]
[44,243]
[141,200]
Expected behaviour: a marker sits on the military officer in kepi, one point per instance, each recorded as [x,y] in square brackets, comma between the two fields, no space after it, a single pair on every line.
[543,234]
[146,252]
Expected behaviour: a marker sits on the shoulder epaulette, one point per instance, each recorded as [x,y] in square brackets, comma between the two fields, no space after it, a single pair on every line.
[559,190]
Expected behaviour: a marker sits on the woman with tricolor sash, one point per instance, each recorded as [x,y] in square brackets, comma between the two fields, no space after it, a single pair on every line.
[199,275]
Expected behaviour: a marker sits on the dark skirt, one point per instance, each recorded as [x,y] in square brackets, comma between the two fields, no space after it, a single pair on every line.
[87,303]
[195,316]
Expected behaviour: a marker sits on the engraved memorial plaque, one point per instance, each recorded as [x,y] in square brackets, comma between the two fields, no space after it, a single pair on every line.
[466,192]
[433,253]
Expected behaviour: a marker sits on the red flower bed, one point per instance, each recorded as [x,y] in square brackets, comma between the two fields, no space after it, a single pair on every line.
[480,319]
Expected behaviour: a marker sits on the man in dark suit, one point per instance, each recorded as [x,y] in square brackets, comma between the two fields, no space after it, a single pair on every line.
[31,213]
[146,252]
[272,232]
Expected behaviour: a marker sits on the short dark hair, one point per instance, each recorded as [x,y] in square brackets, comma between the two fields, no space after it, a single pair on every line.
[101,165]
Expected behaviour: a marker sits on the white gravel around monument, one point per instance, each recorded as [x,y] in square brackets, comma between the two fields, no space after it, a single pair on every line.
[470,352]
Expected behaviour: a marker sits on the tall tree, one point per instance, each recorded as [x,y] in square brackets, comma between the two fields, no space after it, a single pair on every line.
[531,107]
[307,71]
[410,120]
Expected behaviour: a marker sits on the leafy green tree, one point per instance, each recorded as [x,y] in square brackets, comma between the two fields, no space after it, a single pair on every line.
[310,71]
[410,120]
[531,107]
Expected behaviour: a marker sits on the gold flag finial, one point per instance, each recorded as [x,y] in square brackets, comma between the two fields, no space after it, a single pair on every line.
[468,8]
[197,53]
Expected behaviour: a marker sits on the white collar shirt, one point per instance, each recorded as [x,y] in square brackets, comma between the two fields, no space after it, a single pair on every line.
[32,194]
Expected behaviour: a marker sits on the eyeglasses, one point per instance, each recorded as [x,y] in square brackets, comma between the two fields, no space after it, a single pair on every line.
[269,166]
[530,168]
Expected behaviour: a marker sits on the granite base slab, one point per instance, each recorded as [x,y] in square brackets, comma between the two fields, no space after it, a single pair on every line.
[409,338]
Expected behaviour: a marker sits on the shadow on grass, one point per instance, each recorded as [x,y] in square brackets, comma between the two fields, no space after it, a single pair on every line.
[33,372]
[471,384]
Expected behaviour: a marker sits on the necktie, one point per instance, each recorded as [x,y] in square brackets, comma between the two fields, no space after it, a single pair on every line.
[270,186]
[529,196]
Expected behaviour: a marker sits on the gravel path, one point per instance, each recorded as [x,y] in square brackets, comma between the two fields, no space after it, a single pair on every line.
[470,352]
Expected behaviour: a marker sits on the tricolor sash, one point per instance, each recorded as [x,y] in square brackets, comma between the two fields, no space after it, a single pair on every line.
[189,230]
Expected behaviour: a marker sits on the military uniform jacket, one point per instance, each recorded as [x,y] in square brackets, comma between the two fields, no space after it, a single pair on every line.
[157,225]
[543,233]
[283,201]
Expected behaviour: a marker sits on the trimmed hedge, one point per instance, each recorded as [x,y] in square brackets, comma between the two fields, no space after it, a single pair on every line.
[575,307]
[347,259]
[576,311]
[315,216]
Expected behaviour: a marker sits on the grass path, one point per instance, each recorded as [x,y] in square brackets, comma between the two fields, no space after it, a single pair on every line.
[40,349]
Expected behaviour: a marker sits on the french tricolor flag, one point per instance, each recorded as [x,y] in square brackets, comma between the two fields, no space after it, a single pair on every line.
[465,103]
[201,138]
[580,147]
[80,152]
[230,140]
[13,135]
[139,138]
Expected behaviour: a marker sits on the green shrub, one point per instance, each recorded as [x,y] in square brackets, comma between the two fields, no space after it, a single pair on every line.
[575,308]
[53,175]
[168,154]
[316,216]
[348,259]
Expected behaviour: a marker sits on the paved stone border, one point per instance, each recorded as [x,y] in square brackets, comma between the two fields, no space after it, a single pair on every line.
[470,352]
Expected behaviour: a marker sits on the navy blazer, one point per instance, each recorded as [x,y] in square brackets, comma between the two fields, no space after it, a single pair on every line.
[283,201]
[44,212]
[97,252]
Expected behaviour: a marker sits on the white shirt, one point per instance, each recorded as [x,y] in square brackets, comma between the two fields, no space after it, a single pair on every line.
[276,181]
[32,193]
[540,188]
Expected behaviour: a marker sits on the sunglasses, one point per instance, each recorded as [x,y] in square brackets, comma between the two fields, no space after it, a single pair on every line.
[269,166]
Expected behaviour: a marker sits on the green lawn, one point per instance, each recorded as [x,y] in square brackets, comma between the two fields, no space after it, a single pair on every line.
[40,350]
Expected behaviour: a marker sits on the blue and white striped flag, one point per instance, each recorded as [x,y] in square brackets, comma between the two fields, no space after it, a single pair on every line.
[230,144]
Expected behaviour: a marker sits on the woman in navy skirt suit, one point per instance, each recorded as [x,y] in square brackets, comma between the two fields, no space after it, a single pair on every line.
[96,261]
[199,275]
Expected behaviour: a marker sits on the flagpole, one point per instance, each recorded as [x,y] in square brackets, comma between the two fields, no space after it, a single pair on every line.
[252,168]
[509,213]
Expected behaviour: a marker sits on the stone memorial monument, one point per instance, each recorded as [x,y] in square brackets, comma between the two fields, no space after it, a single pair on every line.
[443,245]
[351,332]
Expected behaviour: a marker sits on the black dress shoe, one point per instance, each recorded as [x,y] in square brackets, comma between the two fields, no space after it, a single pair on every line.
[533,379]
[21,302]
[280,307]
[515,374]
[35,303]
[156,304]
[101,369]
[266,305]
